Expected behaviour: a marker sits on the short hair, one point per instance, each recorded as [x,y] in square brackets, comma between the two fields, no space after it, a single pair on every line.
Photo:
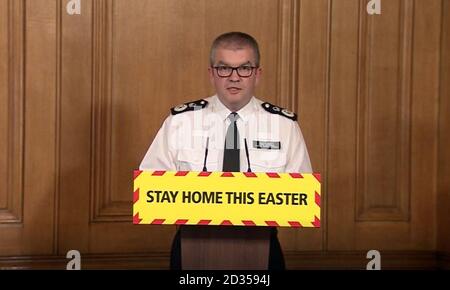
[235,40]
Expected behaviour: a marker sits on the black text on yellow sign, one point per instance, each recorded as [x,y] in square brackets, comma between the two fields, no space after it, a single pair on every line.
[217,198]
[229,197]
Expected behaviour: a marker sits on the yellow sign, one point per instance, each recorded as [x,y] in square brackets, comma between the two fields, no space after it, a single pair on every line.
[224,198]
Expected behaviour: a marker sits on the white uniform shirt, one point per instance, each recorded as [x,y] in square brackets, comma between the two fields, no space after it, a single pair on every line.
[275,142]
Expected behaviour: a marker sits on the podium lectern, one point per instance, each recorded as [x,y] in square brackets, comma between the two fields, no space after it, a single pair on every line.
[227,221]
[224,247]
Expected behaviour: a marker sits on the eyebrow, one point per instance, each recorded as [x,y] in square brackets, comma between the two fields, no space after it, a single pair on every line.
[223,63]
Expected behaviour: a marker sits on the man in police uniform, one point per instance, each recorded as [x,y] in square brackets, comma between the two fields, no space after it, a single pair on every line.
[231,131]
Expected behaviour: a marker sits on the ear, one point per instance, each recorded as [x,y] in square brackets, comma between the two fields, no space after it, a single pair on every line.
[211,75]
[258,73]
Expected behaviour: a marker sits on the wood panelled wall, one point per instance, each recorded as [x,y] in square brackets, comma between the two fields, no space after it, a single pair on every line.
[443,236]
[82,97]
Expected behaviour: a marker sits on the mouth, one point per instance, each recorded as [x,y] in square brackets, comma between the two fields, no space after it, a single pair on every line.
[234,90]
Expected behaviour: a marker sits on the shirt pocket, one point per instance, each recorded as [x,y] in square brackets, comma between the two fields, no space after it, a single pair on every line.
[263,160]
[193,160]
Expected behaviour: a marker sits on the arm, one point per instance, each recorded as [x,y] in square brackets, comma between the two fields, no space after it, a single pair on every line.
[160,156]
[297,154]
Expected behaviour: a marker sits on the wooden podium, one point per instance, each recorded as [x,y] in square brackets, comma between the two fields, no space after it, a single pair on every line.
[224,247]
[227,221]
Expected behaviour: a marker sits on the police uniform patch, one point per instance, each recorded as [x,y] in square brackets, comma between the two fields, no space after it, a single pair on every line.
[270,145]
[189,106]
[280,111]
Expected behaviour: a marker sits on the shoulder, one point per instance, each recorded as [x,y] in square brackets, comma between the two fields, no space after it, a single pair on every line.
[277,110]
[189,106]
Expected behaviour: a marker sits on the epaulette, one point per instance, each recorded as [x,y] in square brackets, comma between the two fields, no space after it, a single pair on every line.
[190,106]
[280,111]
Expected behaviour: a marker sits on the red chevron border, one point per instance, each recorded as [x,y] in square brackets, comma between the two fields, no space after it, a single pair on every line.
[136,219]
[227,174]
[295,224]
[135,196]
[204,174]
[273,175]
[226,223]
[316,222]
[248,223]
[181,222]
[157,222]
[181,173]
[136,173]
[317,199]
[317,176]
[296,175]
[272,224]
[158,173]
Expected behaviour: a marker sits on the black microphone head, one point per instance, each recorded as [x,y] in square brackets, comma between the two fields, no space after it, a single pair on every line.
[248,157]
[206,155]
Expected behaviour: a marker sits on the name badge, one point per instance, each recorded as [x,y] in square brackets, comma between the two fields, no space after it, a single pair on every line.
[275,145]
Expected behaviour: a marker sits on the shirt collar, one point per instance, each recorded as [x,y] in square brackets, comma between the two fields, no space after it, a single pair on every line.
[244,113]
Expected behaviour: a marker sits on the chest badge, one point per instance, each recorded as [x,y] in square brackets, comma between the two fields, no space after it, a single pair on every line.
[269,145]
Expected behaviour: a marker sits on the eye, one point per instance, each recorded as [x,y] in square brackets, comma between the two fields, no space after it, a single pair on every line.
[223,68]
[245,68]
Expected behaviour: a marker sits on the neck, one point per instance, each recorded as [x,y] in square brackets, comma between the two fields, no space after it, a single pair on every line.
[234,107]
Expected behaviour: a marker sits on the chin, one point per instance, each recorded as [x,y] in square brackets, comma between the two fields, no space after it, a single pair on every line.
[236,99]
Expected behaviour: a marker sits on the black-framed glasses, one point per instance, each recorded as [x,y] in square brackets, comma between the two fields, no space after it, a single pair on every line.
[244,71]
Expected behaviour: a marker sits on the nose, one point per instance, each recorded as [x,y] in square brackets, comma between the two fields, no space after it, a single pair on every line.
[234,76]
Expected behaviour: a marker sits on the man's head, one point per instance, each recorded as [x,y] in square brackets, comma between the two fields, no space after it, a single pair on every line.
[234,70]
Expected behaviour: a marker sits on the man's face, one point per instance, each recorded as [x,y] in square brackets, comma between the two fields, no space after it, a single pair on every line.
[234,91]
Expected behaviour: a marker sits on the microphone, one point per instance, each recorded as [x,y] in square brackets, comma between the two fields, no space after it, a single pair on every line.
[206,155]
[246,153]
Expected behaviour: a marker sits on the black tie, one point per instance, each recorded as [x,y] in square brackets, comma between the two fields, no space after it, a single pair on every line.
[231,161]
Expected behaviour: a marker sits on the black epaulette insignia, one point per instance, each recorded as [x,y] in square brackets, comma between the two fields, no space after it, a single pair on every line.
[280,111]
[190,106]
